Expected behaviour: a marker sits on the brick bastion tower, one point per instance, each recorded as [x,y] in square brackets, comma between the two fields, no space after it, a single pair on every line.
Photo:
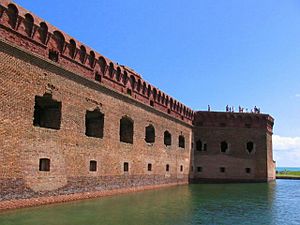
[232,147]
[74,125]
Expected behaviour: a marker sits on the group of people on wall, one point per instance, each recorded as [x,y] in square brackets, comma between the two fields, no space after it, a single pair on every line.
[241,109]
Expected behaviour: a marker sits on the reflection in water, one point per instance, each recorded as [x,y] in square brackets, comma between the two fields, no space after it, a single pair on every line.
[274,203]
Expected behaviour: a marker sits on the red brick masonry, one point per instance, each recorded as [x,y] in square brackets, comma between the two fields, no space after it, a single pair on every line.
[14,204]
[39,62]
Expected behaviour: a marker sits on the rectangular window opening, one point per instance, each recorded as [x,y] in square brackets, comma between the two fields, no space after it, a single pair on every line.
[126,167]
[93,165]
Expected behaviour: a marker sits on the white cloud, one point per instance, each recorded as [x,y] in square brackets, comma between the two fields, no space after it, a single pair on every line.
[286,143]
[286,151]
[297,95]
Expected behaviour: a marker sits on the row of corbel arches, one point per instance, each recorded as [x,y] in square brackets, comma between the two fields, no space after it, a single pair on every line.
[57,44]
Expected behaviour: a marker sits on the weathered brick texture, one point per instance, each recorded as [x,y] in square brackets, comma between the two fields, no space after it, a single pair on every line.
[36,61]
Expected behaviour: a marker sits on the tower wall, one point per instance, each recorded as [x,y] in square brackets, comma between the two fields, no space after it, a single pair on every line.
[248,156]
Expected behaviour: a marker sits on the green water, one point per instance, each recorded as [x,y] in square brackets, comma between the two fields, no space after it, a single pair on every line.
[274,203]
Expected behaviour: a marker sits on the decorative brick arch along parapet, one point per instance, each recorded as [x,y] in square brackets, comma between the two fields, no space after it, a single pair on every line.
[22,28]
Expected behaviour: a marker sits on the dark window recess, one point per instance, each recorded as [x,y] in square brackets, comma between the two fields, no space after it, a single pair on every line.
[151,103]
[169,111]
[199,145]
[205,147]
[12,12]
[150,134]
[93,165]
[53,55]
[224,146]
[129,91]
[222,124]
[181,168]
[126,167]
[47,112]
[248,125]
[167,138]
[192,168]
[248,170]
[126,130]
[94,123]
[222,169]
[250,146]
[181,141]
[28,24]
[43,32]
[167,167]
[98,77]
[182,118]
[111,70]
[149,167]
[44,164]
[199,169]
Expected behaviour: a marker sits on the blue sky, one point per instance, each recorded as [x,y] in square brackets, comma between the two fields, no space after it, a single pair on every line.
[201,52]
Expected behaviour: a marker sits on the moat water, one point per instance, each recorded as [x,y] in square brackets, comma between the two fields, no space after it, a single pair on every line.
[255,204]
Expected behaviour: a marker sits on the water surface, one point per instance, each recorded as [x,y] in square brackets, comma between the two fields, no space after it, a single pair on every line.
[274,203]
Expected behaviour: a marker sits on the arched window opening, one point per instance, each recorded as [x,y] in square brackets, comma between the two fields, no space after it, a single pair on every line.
[132,82]
[94,123]
[181,141]
[102,64]
[159,96]
[171,103]
[92,59]
[93,166]
[12,12]
[139,85]
[167,138]
[150,134]
[167,101]
[154,94]
[125,78]
[126,130]
[163,99]
[250,147]
[44,165]
[149,90]
[174,105]
[29,21]
[118,74]
[43,32]
[144,88]
[82,54]
[60,40]
[224,146]
[47,112]
[72,48]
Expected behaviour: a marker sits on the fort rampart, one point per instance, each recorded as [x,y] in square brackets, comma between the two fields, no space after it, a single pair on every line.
[74,124]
